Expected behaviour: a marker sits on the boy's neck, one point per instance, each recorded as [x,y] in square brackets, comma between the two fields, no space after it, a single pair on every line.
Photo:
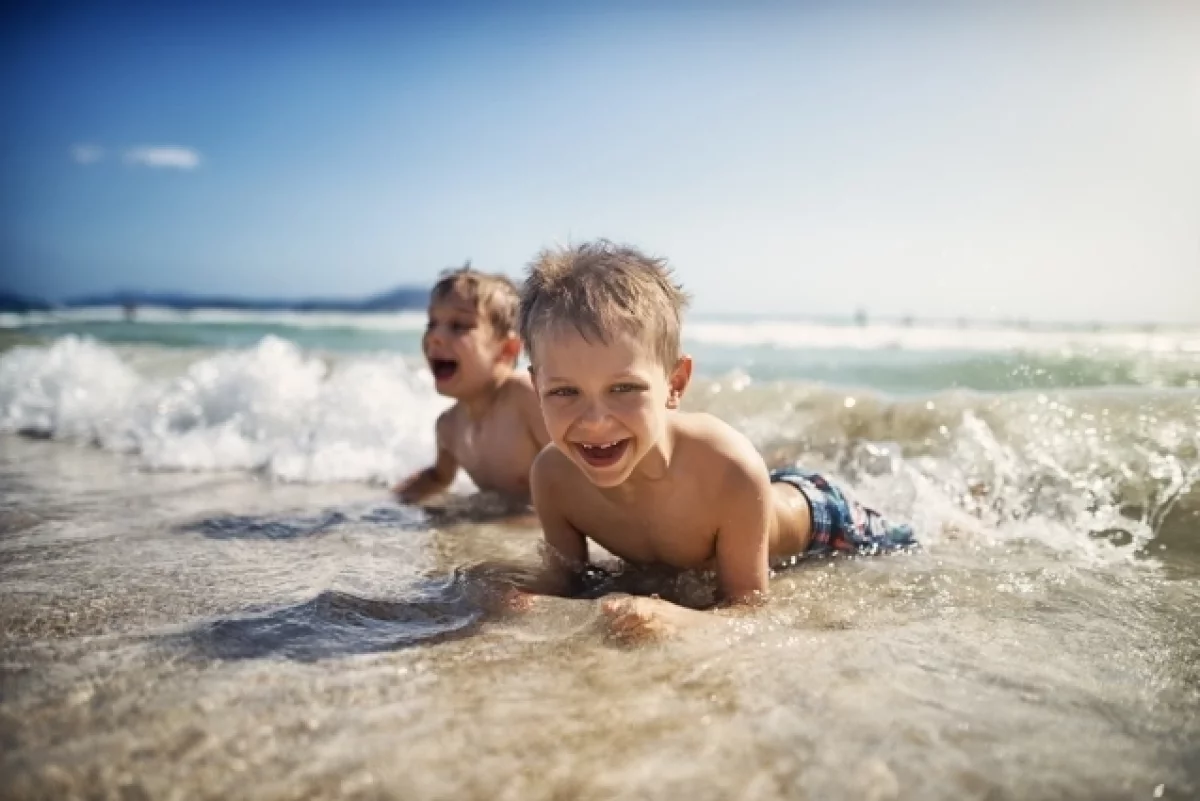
[479,403]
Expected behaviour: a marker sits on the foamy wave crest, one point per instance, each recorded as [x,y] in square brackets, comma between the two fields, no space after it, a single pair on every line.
[269,408]
[72,390]
[885,336]
[1107,476]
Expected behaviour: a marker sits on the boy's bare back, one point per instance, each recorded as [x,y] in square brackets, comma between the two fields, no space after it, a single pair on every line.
[496,449]
[495,429]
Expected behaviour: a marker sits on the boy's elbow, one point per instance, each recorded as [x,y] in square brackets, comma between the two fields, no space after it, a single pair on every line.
[409,491]
[420,486]
[743,600]
[403,487]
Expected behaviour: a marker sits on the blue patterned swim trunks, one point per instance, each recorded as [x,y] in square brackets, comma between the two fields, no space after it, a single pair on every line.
[840,523]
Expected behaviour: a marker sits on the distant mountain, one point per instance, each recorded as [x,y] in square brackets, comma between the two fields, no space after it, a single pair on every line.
[399,299]
[405,297]
[12,302]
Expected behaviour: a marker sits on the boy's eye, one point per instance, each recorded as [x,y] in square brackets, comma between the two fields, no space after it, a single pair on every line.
[455,326]
[562,392]
[628,388]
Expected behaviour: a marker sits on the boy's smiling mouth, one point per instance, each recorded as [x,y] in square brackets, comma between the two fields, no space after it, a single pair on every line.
[602,454]
[443,369]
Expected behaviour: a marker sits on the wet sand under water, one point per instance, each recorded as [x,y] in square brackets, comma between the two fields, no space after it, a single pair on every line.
[213,636]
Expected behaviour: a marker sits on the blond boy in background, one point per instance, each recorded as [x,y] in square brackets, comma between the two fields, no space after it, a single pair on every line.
[494,430]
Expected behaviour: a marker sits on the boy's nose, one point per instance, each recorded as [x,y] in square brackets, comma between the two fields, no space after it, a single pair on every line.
[594,415]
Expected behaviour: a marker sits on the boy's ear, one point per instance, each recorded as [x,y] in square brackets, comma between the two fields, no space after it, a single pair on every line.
[678,380]
[510,349]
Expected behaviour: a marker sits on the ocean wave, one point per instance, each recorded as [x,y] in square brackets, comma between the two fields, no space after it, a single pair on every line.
[785,334]
[983,339]
[1105,472]
[268,408]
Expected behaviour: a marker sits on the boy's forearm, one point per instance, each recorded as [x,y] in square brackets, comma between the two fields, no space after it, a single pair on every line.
[739,606]
[534,580]
[418,487]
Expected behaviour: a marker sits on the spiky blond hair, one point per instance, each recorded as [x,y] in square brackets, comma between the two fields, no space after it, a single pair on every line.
[600,289]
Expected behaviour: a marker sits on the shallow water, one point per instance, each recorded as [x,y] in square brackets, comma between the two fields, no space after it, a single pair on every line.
[218,633]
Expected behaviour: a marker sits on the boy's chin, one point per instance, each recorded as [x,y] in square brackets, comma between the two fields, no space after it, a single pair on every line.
[605,477]
[446,389]
[464,383]
[456,386]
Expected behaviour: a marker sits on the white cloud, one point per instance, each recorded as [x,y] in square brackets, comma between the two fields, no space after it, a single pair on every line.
[86,154]
[178,158]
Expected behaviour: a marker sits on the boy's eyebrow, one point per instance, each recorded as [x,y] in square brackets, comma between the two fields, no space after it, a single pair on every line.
[622,377]
[456,312]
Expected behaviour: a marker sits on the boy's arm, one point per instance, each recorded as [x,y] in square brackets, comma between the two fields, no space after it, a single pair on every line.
[742,567]
[564,548]
[743,542]
[431,480]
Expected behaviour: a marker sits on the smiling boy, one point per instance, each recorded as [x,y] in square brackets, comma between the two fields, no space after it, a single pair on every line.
[495,428]
[649,483]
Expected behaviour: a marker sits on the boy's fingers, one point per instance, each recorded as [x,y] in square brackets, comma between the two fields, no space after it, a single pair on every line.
[616,602]
[521,601]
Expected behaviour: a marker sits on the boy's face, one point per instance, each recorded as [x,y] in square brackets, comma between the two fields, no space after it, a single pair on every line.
[605,404]
[461,347]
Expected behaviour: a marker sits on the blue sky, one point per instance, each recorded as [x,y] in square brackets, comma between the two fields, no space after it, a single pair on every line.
[1005,160]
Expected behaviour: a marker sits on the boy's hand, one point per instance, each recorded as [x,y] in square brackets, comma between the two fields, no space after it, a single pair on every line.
[416,488]
[506,600]
[437,478]
[632,620]
[499,587]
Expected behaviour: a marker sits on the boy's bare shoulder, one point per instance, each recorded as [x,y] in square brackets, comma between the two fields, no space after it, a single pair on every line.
[517,392]
[553,478]
[448,422]
[721,448]
[518,386]
[521,395]
[550,467]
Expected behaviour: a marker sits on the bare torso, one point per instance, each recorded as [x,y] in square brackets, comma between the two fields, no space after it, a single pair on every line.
[497,450]
[675,520]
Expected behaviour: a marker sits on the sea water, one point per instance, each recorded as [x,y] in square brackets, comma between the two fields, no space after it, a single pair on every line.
[207,592]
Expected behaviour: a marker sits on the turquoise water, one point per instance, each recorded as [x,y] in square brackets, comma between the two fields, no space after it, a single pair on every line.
[890,358]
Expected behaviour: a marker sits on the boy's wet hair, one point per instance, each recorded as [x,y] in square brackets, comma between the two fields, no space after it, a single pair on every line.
[492,294]
[601,288]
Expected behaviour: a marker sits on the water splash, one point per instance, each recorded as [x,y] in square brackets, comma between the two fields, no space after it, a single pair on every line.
[269,408]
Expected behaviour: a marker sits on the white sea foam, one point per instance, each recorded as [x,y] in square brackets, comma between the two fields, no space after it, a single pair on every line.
[270,408]
[291,415]
[984,338]
[947,338]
